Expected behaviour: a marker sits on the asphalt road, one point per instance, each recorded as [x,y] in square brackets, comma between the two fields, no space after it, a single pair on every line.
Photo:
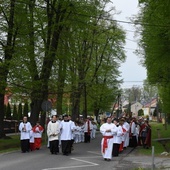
[86,156]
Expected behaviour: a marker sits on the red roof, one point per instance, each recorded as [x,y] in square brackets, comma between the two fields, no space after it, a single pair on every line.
[153,103]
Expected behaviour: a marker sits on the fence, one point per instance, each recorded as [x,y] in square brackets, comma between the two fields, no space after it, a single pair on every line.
[11,126]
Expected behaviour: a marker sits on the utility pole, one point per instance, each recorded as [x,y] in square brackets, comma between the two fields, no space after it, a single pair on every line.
[157,108]
[118,103]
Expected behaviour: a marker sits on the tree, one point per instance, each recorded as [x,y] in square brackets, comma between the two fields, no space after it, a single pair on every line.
[148,92]
[8,112]
[94,62]
[133,94]
[54,39]
[155,37]
[7,13]
[26,109]
[43,24]
[20,114]
[15,113]
[140,112]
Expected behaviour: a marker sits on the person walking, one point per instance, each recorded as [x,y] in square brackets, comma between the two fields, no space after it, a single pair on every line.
[146,135]
[72,132]
[25,128]
[117,140]
[121,122]
[66,128]
[108,130]
[53,130]
[126,126]
[38,130]
[94,130]
[132,133]
[32,141]
[87,130]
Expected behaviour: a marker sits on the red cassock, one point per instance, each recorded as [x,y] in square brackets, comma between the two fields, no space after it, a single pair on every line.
[37,129]
[32,146]
[121,145]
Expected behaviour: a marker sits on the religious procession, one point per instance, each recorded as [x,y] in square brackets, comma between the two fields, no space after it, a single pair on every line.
[61,133]
[117,134]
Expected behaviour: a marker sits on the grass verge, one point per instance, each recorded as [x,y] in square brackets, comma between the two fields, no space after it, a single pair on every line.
[10,143]
[164,133]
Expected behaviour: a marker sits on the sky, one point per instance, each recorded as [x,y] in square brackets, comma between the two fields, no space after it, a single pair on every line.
[132,72]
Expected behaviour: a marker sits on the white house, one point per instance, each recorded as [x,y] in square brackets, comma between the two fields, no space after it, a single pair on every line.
[135,107]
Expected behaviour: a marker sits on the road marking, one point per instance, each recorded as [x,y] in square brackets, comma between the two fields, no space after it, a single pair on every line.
[80,166]
[85,161]
[97,153]
[88,157]
[69,167]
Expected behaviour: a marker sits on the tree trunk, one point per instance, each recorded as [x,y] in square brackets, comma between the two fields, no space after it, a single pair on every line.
[2,132]
[96,112]
[85,102]
[59,101]
[60,84]
[55,16]
[4,69]
[75,105]
[35,111]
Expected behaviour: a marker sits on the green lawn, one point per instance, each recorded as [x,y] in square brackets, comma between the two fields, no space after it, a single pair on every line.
[10,143]
[158,148]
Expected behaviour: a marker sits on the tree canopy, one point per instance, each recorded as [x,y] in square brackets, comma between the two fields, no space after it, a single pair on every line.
[62,49]
[155,39]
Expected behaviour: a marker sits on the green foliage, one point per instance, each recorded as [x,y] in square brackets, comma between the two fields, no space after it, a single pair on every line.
[155,113]
[77,47]
[20,114]
[9,144]
[8,112]
[133,94]
[26,109]
[15,113]
[155,37]
[12,143]
[140,112]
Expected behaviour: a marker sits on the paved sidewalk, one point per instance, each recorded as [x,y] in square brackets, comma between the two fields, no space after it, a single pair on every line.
[135,161]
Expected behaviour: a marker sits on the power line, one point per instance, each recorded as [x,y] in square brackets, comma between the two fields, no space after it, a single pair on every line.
[125,22]
[131,81]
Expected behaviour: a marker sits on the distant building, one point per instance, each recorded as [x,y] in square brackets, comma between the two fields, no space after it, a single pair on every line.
[134,107]
[150,107]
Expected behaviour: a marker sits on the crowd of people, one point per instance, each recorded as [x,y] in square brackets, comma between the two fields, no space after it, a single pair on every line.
[118,134]
[31,137]
[64,133]
[60,132]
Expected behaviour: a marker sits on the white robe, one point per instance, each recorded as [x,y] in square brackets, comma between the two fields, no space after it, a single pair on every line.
[31,136]
[86,126]
[133,128]
[53,130]
[25,129]
[126,135]
[94,131]
[104,127]
[118,137]
[67,129]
